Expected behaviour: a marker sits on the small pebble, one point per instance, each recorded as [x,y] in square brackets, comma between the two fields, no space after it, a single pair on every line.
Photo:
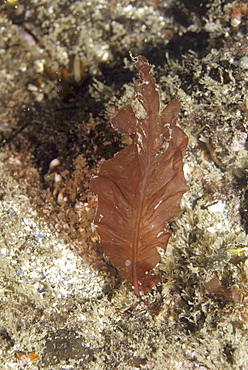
[243,62]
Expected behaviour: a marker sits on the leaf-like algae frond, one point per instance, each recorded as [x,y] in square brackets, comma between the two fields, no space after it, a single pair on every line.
[140,188]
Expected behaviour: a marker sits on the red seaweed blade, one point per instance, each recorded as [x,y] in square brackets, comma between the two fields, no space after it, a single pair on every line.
[139,190]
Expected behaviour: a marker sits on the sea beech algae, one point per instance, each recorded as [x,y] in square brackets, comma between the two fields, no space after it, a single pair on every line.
[140,188]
